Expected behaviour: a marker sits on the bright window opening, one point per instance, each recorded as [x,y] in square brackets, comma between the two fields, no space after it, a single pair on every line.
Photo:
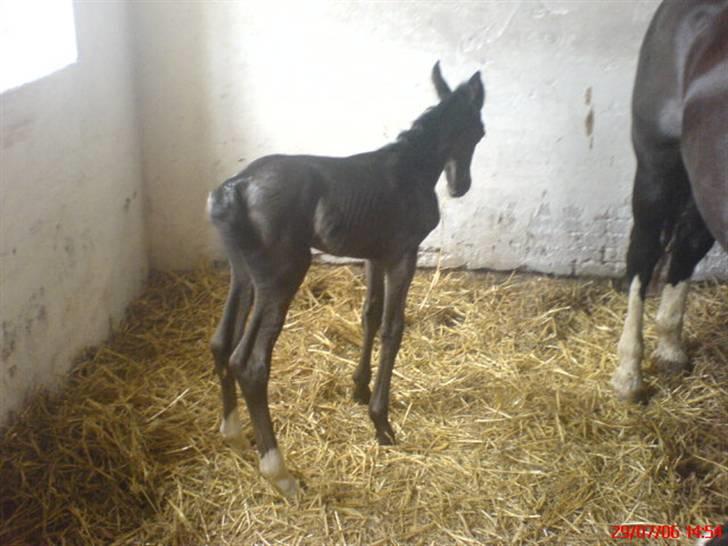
[37,37]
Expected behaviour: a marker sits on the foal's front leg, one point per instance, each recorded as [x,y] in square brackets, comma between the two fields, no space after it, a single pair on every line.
[398,278]
[371,320]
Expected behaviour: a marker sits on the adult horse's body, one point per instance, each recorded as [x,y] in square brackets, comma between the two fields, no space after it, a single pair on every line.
[377,206]
[680,137]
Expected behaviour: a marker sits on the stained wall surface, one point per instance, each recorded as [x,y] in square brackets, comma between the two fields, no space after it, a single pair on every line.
[224,83]
[72,246]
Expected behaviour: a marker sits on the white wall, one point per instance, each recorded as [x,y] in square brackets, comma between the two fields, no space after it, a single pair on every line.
[219,84]
[224,83]
[72,247]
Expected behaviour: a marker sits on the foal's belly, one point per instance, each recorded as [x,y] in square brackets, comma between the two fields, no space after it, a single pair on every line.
[381,237]
[366,246]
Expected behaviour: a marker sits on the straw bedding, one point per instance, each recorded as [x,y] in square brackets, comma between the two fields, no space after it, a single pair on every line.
[507,428]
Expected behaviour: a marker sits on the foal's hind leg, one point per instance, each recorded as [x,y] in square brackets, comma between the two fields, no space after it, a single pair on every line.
[691,243]
[656,190]
[225,338]
[276,282]
[371,320]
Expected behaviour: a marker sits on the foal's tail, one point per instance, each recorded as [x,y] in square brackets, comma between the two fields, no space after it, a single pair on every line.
[227,210]
[223,203]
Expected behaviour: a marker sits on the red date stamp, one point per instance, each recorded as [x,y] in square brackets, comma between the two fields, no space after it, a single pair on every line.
[648,531]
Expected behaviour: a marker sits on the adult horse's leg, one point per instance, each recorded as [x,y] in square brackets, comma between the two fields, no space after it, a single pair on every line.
[276,282]
[659,181]
[398,276]
[371,320]
[691,243]
[225,338]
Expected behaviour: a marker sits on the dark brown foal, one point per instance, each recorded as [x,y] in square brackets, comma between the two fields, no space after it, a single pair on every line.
[377,206]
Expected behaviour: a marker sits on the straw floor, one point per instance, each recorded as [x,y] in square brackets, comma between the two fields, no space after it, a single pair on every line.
[508,432]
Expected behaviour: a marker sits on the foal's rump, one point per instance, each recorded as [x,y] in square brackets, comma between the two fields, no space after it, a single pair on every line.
[258,206]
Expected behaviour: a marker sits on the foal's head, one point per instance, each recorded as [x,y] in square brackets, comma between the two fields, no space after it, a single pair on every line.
[464,127]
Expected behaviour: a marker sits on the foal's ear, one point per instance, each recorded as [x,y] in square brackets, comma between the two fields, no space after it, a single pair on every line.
[475,90]
[443,89]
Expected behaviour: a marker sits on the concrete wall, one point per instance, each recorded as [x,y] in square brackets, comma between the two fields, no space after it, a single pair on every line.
[72,246]
[219,84]
[224,83]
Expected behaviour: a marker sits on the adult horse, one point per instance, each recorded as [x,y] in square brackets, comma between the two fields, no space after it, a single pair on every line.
[377,206]
[680,197]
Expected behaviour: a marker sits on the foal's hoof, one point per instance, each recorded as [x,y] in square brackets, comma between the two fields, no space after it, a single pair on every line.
[385,436]
[232,433]
[239,443]
[384,440]
[362,394]
[273,469]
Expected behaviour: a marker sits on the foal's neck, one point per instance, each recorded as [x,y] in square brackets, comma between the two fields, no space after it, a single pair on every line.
[421,153]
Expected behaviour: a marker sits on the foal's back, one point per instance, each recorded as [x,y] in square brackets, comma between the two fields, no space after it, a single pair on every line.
[348,206]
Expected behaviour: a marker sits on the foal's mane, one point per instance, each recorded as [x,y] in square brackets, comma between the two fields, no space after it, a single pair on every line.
[422,142]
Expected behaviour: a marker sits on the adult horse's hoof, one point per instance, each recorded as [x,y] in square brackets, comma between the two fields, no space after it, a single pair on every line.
[287,487]
[671,361]
[620,284]
[628,386]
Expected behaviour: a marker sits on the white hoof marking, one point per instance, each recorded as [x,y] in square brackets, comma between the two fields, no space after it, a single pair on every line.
[669,323]
[627,379]
[231,426]
[274,470]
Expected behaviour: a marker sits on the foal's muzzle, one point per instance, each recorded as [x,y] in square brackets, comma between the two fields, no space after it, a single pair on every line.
[457,184]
